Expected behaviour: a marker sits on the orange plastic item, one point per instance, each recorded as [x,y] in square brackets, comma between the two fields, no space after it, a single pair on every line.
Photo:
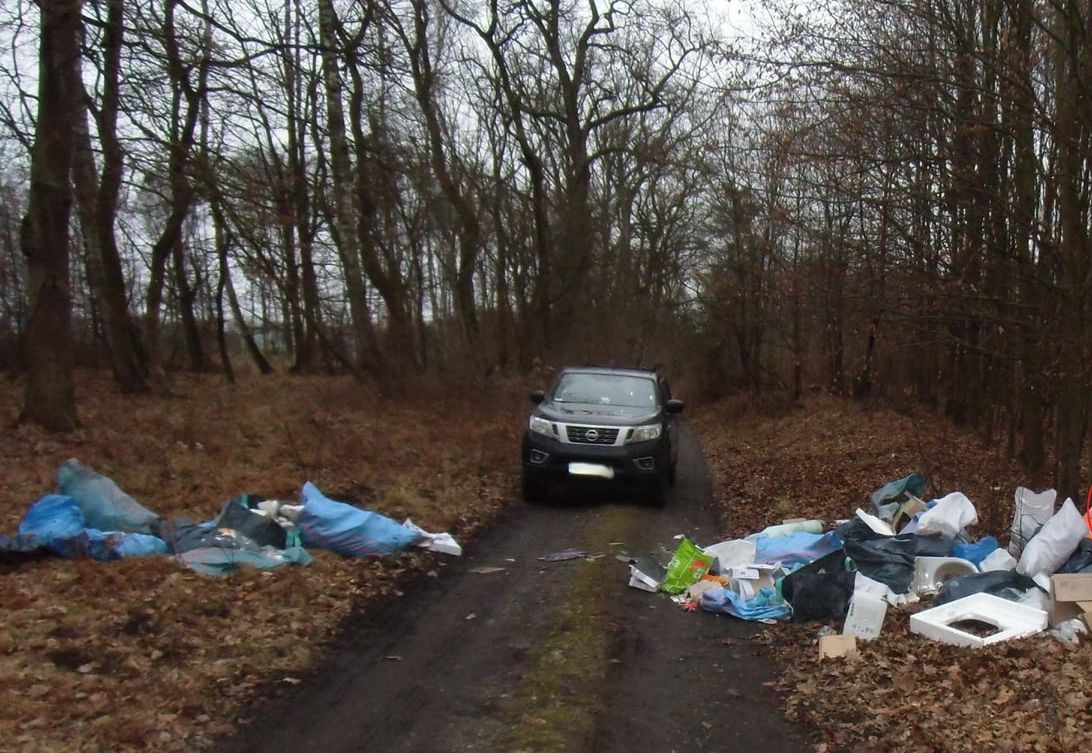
[1088,512]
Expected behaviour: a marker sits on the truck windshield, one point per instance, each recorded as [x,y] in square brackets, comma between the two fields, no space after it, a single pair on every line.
[606,389]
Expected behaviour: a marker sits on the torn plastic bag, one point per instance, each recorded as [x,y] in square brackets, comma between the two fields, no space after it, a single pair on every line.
[182,535]
[766,605]
[104,505]
[347,530]
[887,500]
[1081,559]
[890,560]
[686,567]
[54,517]
[1055,542]
[443,543]
[975,551]
[819,590]
[221,561]
[1032,511]
[238,515]
[796,549]
[1008,584]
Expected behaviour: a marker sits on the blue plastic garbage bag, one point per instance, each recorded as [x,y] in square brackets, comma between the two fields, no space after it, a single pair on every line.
[57,522]
[105,506]
[975,551]
[796,549]
[108,546]
[15,550]
[764,606]
[53,518]
[348,530]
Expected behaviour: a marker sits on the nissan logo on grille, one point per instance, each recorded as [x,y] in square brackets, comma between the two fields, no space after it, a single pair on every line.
[591,435]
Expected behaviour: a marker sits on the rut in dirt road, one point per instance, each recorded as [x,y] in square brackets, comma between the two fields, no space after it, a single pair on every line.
[507,652]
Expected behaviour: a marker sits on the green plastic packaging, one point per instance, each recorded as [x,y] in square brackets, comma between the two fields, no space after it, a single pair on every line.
[686,568]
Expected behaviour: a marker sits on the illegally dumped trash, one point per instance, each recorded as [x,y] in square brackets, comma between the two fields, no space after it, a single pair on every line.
[686,567]
[999,618]
[104,505]
[91,516]
[857,570]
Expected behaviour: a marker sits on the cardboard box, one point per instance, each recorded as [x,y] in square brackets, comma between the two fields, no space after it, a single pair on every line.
[749,579]
[1070,597]
[838,646]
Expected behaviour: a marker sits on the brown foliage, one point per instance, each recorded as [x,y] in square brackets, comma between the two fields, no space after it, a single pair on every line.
[143,654]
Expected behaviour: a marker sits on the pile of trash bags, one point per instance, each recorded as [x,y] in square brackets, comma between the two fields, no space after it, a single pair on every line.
[91,516]
[905,550]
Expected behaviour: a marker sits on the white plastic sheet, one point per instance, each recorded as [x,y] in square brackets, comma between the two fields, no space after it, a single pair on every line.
[948,517]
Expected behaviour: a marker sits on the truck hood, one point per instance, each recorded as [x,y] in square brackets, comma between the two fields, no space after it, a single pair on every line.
[594,413]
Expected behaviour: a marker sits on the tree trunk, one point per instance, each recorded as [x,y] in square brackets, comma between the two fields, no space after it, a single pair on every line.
[50,397]
[346,238]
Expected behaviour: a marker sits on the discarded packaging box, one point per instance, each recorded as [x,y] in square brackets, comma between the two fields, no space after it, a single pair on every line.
[1071,597]
[1011,619]
[748,580]
[646,573]
[838,646]
[864,618]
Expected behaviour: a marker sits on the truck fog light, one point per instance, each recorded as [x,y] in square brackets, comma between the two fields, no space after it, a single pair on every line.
[538,457]
[646,464]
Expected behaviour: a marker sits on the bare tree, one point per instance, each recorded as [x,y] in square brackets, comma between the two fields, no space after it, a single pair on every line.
[50,398]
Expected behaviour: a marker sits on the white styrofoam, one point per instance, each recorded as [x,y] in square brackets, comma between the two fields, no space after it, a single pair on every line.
[930,573]
[1013,620]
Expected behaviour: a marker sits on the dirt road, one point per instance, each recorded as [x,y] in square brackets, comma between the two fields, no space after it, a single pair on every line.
[502,651]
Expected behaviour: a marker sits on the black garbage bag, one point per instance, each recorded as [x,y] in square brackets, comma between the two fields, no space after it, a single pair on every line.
[856,529]
[1008,584]
[820,589]
[933,546]
[183,535]
[887,559]
[259,528]
[1081,559]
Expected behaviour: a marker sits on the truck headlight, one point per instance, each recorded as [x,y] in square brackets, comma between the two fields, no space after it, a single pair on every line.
[542,426]
[645,433]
